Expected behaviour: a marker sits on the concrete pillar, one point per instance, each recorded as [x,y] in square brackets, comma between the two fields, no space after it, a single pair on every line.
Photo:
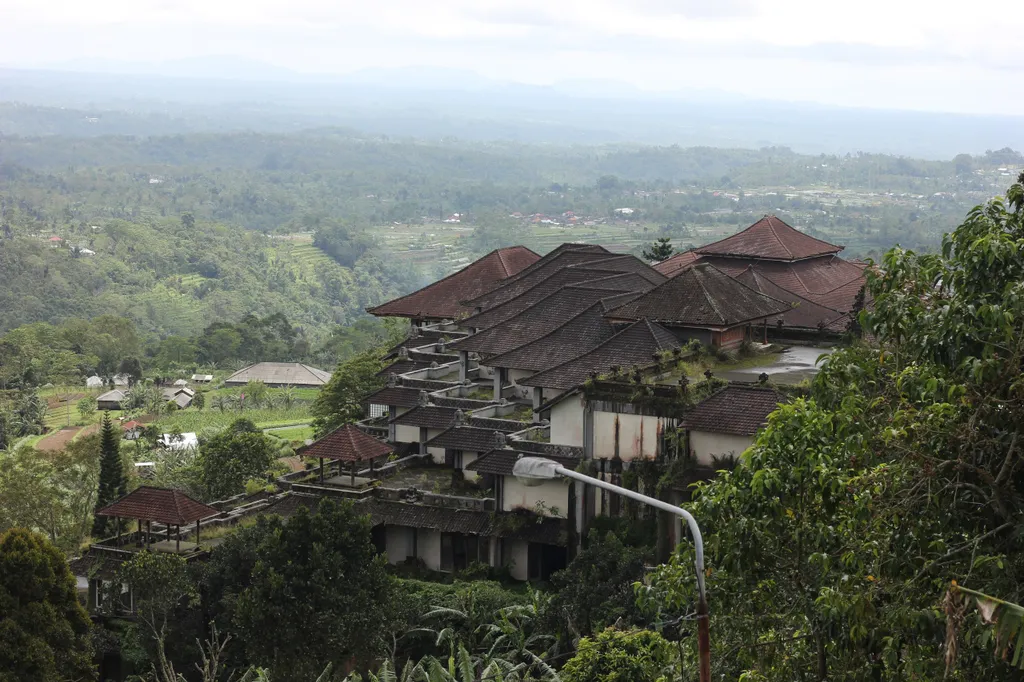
[499,379]
[423,440]
[463,365]
[392,413]
[538,400]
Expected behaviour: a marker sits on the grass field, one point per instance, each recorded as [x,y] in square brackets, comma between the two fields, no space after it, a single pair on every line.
[297,433]
[196,420]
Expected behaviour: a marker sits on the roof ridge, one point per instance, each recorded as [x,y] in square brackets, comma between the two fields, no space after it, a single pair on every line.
[771,226]
[704,290]
[753,290]
[759,275]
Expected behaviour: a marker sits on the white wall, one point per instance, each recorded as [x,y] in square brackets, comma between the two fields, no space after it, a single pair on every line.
[551,493]
[567,422]
[516,555]
[429,548]
[638,435]
[467,459]
[407,434]
[398,543]
[517,375]
[704,445]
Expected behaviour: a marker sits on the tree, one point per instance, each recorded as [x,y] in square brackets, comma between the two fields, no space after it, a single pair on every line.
[86,407]
[614,655]
[199,400]
[660,250]
[132,367]
[303,594]
[340,401]
[44,631]
[188,221]
[112,481]
[231,458]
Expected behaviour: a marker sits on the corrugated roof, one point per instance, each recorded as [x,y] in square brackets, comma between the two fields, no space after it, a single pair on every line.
[701,296]
[442,298]
[162,505]
[285,373]
[771,239]
[349,444]
[635,345]
[736,410]
[532,323]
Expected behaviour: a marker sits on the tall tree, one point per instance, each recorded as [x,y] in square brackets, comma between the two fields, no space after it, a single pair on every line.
[340,401]
[113,483]
[44,631]
[660,250]
[229,459]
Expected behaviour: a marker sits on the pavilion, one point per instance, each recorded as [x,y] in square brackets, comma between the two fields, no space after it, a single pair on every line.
[162,505]
[349,444]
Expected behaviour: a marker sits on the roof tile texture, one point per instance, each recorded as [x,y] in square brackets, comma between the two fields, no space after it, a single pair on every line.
[770,238]
[163,505]
[348,444]
[735,410]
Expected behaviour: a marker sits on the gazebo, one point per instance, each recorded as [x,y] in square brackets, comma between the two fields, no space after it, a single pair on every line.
[163,505]
[349,444]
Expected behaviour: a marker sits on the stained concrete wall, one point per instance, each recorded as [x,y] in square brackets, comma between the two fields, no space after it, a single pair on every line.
[631,436]
[567,422]
[516,555]
[554,495]
[704,445]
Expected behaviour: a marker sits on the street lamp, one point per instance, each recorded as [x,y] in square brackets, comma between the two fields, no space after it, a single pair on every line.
[533,471]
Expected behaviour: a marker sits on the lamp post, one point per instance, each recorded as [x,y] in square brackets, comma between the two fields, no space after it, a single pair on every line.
[533,471]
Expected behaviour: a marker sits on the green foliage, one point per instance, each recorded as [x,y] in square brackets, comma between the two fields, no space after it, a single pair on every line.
[44,631]
[112,481]
[233,457]
[618,656]
[25,415]
[303,594]
[1005,619]
[341,399]
[86,407]
[660,250]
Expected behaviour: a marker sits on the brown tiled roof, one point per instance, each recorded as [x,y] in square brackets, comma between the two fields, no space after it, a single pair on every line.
[403,366]
[467,438]
[770,239]
[348,444]
[829,281]
[577,336]
[532,323]
[162,505]
[701,296]
[547,531]
[399,396]
[441,299]
[553,254]
[672,266]
[500,462]
[634,345]
[804,313]
[430,416]
[736,410]
[626,263]
[546,267]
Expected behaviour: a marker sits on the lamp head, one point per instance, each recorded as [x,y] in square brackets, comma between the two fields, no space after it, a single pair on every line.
[532,471]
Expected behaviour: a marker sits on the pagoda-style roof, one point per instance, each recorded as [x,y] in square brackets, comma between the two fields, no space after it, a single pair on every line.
[534,322]
[636,345]
[544,268]
[703,296]
[441,300]
[736,410]
[348,443]
[577,336]
[770,239]
[163,505]
[804,313]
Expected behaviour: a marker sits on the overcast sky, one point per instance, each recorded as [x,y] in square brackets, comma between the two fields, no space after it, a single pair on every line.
[904,54]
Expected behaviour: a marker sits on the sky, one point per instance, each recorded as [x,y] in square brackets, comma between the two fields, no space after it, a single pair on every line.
[931,55]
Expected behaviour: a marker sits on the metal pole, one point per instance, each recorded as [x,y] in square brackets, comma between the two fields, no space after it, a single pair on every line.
[703,625]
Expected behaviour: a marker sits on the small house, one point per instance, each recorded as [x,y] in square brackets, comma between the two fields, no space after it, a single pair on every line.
[202,378]
[94,382]
[111,400]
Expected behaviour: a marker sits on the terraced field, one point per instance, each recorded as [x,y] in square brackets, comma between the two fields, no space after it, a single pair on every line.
[299,256]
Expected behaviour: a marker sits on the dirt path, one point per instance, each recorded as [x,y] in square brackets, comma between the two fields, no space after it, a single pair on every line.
[60,439]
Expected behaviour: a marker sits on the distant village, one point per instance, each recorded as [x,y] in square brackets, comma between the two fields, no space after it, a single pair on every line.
[634,373]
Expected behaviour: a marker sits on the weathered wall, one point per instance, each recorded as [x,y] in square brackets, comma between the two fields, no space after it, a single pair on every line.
[429,548]
[516,555]
[554,494]
[407,434]
[704,445]
[567,422]
[517,375]
[636,436]
[398,543]
[467,459]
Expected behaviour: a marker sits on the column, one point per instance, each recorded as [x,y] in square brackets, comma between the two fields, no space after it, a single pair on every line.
[538,400]
[463,365]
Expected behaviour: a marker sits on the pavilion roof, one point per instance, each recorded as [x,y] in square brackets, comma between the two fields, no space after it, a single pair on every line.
[348,443]
[163,505]
[770,239]
[442,298]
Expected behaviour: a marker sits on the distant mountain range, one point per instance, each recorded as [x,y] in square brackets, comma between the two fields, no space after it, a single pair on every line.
[228,93]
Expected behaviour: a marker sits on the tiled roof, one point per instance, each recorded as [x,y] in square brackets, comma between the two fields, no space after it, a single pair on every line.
[442,298]
[430,416]
[399,396]
[533,322]
[116,395]
[625,263]
[508,290]
[553,254]
[348,444]
[804,313]
[288,505]
[736,410]
[577,336]
[403,366]
[829,281]
[467,438]
[770,239]
[500,462]
[162,505]
[672,266]
[634,345]
[290,373]
[548,531]
[701,296]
